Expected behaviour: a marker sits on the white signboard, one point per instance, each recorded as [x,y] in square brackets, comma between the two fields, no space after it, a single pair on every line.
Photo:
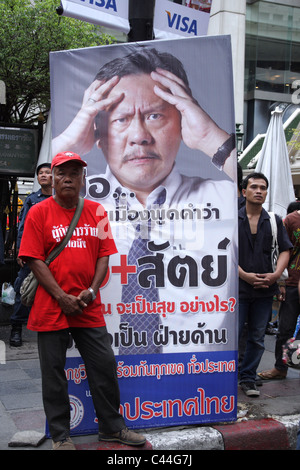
[172,21]
[108,13]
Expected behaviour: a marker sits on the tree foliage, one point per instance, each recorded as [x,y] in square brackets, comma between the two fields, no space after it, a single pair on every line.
[30,29]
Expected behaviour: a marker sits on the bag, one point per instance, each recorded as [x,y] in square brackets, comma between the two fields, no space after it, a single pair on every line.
[275,248]
[8,294]
[28,289]
[29,285]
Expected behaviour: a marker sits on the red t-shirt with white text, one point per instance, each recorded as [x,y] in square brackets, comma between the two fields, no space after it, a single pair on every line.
[74,268]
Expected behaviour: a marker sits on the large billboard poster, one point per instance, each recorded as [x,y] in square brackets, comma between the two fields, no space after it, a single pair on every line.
[155,123]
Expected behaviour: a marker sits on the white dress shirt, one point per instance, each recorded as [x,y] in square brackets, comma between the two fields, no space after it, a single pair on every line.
[197,220]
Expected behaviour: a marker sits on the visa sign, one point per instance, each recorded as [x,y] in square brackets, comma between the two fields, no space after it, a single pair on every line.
[103,3]
[182,23]
[108,13]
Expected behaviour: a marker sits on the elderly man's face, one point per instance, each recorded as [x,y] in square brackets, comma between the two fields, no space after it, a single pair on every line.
[143,135]
[68,180]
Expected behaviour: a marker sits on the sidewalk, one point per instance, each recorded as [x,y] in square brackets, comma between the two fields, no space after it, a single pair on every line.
[268,422]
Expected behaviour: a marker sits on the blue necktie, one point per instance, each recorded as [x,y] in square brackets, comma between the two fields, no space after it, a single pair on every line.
[143,325]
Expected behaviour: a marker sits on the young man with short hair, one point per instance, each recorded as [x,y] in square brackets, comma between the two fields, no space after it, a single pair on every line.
[257,281]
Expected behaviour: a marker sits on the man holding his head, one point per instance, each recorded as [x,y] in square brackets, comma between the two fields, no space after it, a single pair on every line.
[138,110]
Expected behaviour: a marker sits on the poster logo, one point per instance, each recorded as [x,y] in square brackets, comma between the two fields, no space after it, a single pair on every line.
[77,411]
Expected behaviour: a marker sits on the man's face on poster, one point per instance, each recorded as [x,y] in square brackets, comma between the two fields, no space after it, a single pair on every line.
[141,135]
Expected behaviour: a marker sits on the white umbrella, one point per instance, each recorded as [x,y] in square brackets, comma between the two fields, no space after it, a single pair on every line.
[274,163]
[45,155]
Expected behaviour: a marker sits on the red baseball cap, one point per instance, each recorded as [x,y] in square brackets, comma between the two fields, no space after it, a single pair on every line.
[64,157]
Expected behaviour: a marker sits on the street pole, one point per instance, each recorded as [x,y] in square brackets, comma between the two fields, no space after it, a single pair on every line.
[141,20]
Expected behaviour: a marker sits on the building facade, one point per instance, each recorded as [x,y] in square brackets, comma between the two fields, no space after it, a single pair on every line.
[272,62]
[272,78]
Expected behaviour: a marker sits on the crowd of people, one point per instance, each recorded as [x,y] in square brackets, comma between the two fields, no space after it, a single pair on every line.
[258,286]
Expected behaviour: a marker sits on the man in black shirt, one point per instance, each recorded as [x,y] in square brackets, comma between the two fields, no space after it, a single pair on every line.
[257,281]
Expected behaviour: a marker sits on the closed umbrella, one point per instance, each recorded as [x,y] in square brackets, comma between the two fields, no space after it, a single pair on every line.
[274,163]
[45,155]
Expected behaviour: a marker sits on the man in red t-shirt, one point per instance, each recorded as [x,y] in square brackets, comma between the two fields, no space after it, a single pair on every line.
[68,301]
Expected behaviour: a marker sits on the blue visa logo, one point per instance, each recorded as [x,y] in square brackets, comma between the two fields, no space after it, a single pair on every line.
[182,23]
[103,3]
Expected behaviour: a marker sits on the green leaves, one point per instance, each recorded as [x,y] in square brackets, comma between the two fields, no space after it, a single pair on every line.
[30,29]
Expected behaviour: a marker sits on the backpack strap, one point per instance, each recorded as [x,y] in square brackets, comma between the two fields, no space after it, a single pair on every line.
[273,228]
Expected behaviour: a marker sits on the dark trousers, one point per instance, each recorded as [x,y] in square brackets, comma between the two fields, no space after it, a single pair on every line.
[288,315]
[257,314]
[21,312]
[95,349]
